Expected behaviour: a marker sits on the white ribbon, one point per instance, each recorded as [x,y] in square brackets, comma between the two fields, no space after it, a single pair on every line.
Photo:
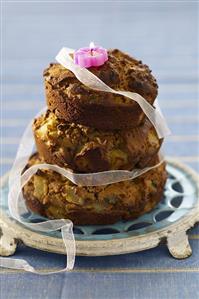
[89,79]
[16,202]
[17,207]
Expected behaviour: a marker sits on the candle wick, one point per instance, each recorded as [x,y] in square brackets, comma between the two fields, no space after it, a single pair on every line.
[92,46]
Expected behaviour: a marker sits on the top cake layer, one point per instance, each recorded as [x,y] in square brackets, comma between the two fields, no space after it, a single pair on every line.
[75,102]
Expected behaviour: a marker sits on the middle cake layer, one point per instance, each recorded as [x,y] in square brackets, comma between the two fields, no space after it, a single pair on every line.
[86,149]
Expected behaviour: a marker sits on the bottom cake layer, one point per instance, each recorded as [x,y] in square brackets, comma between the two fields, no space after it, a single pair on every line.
[52,195]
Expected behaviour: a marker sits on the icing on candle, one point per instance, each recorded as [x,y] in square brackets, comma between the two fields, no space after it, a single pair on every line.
[90,56]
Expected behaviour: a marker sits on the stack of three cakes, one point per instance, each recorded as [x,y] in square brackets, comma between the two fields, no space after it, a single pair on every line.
[89,131]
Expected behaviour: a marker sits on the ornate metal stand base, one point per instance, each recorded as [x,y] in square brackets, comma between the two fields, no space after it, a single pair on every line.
[169,221]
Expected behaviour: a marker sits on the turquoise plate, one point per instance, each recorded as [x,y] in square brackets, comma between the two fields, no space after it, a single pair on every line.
[180,196]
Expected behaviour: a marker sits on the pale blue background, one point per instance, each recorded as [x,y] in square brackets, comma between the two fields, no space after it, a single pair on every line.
[164,34]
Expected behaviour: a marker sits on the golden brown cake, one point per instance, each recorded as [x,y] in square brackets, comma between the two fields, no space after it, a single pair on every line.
[85,149]
[72,101]
[52,195]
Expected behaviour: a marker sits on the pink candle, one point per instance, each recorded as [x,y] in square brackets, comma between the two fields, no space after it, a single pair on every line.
[90,56]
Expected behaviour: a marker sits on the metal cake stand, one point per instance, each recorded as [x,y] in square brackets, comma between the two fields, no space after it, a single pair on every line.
[177,212]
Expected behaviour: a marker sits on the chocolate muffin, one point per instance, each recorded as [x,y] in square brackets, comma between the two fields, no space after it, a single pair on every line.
[52,195]
[86,149]
[72,101]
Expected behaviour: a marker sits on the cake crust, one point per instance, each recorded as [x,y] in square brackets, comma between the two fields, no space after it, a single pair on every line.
[69,99]
[86,149]
[52,195]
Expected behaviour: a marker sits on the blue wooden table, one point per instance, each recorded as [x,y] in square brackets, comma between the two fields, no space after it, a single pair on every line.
[162,34]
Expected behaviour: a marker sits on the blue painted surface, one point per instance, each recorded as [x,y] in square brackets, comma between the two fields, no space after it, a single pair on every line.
[162,34]
[100,285]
